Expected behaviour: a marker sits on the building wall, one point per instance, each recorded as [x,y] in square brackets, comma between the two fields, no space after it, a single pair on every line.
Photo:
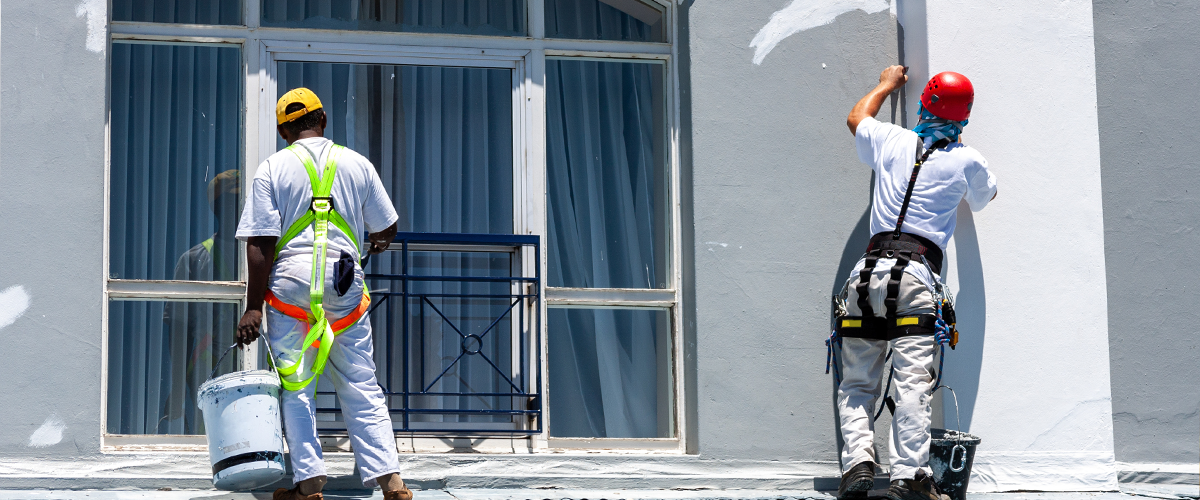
[1146,67]
[52,135]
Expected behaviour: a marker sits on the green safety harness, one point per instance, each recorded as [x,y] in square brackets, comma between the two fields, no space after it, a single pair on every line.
[320,214]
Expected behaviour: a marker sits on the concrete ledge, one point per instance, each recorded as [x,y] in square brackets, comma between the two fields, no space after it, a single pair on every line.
[151,471]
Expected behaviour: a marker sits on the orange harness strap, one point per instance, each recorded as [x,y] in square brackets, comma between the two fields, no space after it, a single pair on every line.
[300,314]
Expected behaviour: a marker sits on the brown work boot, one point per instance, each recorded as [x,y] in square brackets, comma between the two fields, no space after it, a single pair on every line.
[393,487]
[921,487]
[401,494]
[294,494]
[856,481]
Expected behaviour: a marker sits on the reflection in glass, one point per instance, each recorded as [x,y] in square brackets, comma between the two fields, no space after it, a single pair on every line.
[471,17]
[610,373]
[629,20]
[175,175]
[158,355]
[178,11]
[606,174]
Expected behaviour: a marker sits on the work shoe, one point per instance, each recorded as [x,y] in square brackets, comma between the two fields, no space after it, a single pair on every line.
[294,494]
[921,487]
[857,480]
[404,494]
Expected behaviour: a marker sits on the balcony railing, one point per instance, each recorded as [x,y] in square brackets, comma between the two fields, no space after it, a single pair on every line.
[455,324]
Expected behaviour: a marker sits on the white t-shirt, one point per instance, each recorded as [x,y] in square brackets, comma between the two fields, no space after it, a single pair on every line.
[281,194]
[947,177]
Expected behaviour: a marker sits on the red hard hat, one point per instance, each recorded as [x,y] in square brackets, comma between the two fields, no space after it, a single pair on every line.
[949,95]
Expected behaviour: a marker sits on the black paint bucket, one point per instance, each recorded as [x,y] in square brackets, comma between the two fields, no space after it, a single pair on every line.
[950,456]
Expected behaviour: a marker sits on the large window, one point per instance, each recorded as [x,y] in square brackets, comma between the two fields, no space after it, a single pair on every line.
[540,152]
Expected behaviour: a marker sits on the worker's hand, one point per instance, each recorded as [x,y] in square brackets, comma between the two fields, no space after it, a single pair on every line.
[381,240]
[379,246]
[893,77]
[247,330]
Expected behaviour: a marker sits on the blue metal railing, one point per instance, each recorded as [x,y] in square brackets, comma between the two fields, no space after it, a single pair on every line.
[486,382]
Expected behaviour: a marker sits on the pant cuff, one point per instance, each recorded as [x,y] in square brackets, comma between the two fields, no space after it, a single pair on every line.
[374,480]
[856,461]
[909,472]
[298,476]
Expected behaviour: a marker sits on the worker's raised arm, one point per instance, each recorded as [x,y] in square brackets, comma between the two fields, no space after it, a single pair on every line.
[891,79]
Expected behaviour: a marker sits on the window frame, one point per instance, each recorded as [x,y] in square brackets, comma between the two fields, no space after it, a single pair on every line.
[262,48]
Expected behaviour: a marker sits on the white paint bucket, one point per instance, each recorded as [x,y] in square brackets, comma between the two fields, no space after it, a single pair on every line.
[241,421]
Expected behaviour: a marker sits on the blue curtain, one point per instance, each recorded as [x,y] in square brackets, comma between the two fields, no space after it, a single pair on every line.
[474,17]
[606,183]
[176,137]
[178,11]
[175,192]
[158,355]
[610,373]
[603,20]
[441,138]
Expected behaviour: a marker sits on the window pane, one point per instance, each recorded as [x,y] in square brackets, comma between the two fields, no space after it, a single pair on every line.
[610,373]
[175,176]
[178,11]
[440,137]
[158,355]
[606,174]
[472,17]
[630,20]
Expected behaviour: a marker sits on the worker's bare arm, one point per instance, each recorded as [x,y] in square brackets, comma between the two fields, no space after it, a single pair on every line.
[891,79]
[381,240]
[260,253]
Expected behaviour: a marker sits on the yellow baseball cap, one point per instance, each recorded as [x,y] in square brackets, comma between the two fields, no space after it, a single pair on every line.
[297,95]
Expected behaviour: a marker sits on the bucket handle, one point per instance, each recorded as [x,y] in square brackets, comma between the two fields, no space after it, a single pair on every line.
[270,357]
[962,465]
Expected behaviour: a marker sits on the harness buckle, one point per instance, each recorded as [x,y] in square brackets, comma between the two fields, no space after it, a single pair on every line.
[322,203]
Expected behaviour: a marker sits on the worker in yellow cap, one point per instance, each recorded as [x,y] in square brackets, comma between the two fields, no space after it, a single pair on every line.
[311,203]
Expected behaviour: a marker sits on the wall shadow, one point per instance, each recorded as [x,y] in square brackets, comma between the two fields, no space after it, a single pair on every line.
[963,364]
[852,251]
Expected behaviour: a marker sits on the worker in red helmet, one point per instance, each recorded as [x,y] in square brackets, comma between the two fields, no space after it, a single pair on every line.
[895,299]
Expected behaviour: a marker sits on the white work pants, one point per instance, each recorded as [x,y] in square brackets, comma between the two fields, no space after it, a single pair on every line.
[351,369]
[863,378]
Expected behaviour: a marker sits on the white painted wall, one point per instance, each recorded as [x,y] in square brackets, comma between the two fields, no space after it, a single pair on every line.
[1033,370]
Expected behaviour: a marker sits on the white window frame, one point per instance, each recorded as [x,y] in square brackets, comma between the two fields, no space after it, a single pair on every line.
[262,48]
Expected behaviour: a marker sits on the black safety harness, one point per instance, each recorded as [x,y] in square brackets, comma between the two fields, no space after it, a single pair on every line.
[903,247]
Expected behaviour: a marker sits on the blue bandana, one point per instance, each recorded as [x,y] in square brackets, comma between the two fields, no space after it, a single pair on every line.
[938,128]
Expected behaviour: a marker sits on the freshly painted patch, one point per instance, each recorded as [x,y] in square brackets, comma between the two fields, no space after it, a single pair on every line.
[49,434]
[801,15]
[97,23]
[14,300]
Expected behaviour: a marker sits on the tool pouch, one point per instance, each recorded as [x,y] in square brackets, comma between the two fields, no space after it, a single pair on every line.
[343,274]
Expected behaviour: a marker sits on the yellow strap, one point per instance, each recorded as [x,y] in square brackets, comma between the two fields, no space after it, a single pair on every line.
[851,323]
[908,320]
